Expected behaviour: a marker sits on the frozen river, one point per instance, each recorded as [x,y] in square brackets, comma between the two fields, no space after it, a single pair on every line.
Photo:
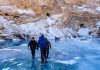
[71,54]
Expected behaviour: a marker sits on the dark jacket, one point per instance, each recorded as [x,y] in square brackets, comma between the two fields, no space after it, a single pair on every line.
[48,44]
[33,45]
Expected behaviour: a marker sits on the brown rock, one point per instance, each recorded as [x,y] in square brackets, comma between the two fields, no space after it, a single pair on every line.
[38,9]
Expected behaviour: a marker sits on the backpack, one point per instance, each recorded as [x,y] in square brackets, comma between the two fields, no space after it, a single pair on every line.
[43,43]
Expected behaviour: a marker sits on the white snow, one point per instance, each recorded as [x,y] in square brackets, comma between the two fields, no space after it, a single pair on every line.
[15,40]
[50,21]
[2,40]
[98,9]
[8,8]
[23,45]
[21,11]
[41,27]
[98,24]
[19,64]
[15,62]
[77,58]
[70,62]
[7,25]
[12,59]
[47,26]
[8,49]
[66,53]
[83,32]
[4,60]
[86,8]
[6,68]
[8,60]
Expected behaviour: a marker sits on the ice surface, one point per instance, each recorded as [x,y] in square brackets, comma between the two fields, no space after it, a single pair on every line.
[1,40]
[70,62]
[19,64]
[25,45]
[76,58]
[6,68]
[65,54]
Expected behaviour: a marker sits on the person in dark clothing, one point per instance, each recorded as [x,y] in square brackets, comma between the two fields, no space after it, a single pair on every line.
[33,46]
[48,47]
[43,47]
[57,38]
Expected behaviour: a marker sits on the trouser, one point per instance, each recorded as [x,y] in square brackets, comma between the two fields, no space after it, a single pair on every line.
[43,54]
[47,52]
[33,53]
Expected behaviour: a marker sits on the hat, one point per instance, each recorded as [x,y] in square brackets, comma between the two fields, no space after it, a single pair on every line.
[32,37]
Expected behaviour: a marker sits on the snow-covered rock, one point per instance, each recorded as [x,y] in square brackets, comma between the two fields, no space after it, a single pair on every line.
[98,9]
[9,28]
[83,32]
[86,8]
[11,9]
[98,24]
[41,27]
[20,11]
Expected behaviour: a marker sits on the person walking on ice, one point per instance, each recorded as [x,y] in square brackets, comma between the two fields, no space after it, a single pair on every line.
[33,46]
[48,47]
[42,44]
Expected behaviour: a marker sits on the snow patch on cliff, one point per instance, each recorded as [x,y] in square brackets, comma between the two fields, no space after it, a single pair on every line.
[7,25]
[20,11]
[98,9]
[84,32]
[98,24]
[46,27]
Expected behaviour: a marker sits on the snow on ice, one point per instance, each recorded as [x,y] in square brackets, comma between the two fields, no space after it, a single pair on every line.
[70,62]
[8,49]
[6,68]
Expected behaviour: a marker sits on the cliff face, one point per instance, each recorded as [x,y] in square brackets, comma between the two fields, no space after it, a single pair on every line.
[42,6]
[74,12]
[78,10]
